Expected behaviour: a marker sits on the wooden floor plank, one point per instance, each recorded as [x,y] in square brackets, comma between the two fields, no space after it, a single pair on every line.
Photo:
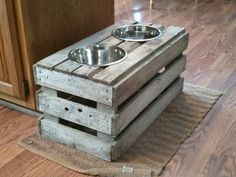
[21,164]
[51,169]
[15,160]
[222,161]
[8,153]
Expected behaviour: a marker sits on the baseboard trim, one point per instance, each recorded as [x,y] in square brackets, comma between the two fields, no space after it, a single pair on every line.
[33,113]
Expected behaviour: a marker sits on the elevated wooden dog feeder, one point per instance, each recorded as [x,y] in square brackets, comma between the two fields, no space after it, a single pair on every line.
[102,111]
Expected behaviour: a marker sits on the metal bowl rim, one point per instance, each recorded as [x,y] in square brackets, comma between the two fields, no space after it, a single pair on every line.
[136,40]
[105,45]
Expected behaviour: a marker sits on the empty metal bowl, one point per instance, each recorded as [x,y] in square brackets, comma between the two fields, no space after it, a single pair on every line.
[98,55]
[138,32]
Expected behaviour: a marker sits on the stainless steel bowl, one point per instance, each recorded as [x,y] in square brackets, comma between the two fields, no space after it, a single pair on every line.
[138,32]
[98,55]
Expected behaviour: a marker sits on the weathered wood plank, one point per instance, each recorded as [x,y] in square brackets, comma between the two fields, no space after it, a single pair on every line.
[52,60]
[130,46]
[112,74]
[75,112]
[89,72]
[149,68]
[105,108]
[74,85]
[95,38]
[105,136]
[147,94]
[111,41]
[129,136]
[104,118]
[50,128]
[104,148]
[67,66]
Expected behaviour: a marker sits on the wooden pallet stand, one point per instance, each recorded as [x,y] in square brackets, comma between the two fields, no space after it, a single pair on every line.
[102,111]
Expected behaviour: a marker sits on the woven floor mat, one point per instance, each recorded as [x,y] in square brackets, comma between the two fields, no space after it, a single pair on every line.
[151,152]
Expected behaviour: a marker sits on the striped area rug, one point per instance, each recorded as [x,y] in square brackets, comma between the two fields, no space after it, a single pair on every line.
[148,156]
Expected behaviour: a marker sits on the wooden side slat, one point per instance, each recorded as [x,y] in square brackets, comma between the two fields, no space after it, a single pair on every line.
[151,66]
[75,112]
[67,66]
[52,60]
[104,119]
[113,73]
[130,135]
[74,85]
[109,149]
[122,90]
[140,101]
[51,129]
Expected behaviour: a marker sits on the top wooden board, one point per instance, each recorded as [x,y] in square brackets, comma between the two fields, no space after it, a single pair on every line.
[144,60]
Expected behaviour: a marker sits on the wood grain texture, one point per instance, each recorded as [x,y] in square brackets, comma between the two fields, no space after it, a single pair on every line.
[211,62]
[74,85]
[104,118]
[38,29]
[109,149]
[149,68]
[131,134]
[59,23]
[211,59]
[114,73]
[148,93]
[114,84]
[15,160]
[11,77]
[75,112]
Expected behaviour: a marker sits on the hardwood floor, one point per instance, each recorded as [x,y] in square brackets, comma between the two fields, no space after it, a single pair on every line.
[211,149]
[14,160]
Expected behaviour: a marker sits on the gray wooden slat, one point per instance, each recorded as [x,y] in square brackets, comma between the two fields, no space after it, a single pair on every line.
[50,128]
[109,149]
[111,41]
[129,46]
[54,59]
[130,135]
[74,85]
[113,73]
[67,66]
[104,119]
[89,72]
[151,66]
[75,112]
[140,101]
[95,38]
